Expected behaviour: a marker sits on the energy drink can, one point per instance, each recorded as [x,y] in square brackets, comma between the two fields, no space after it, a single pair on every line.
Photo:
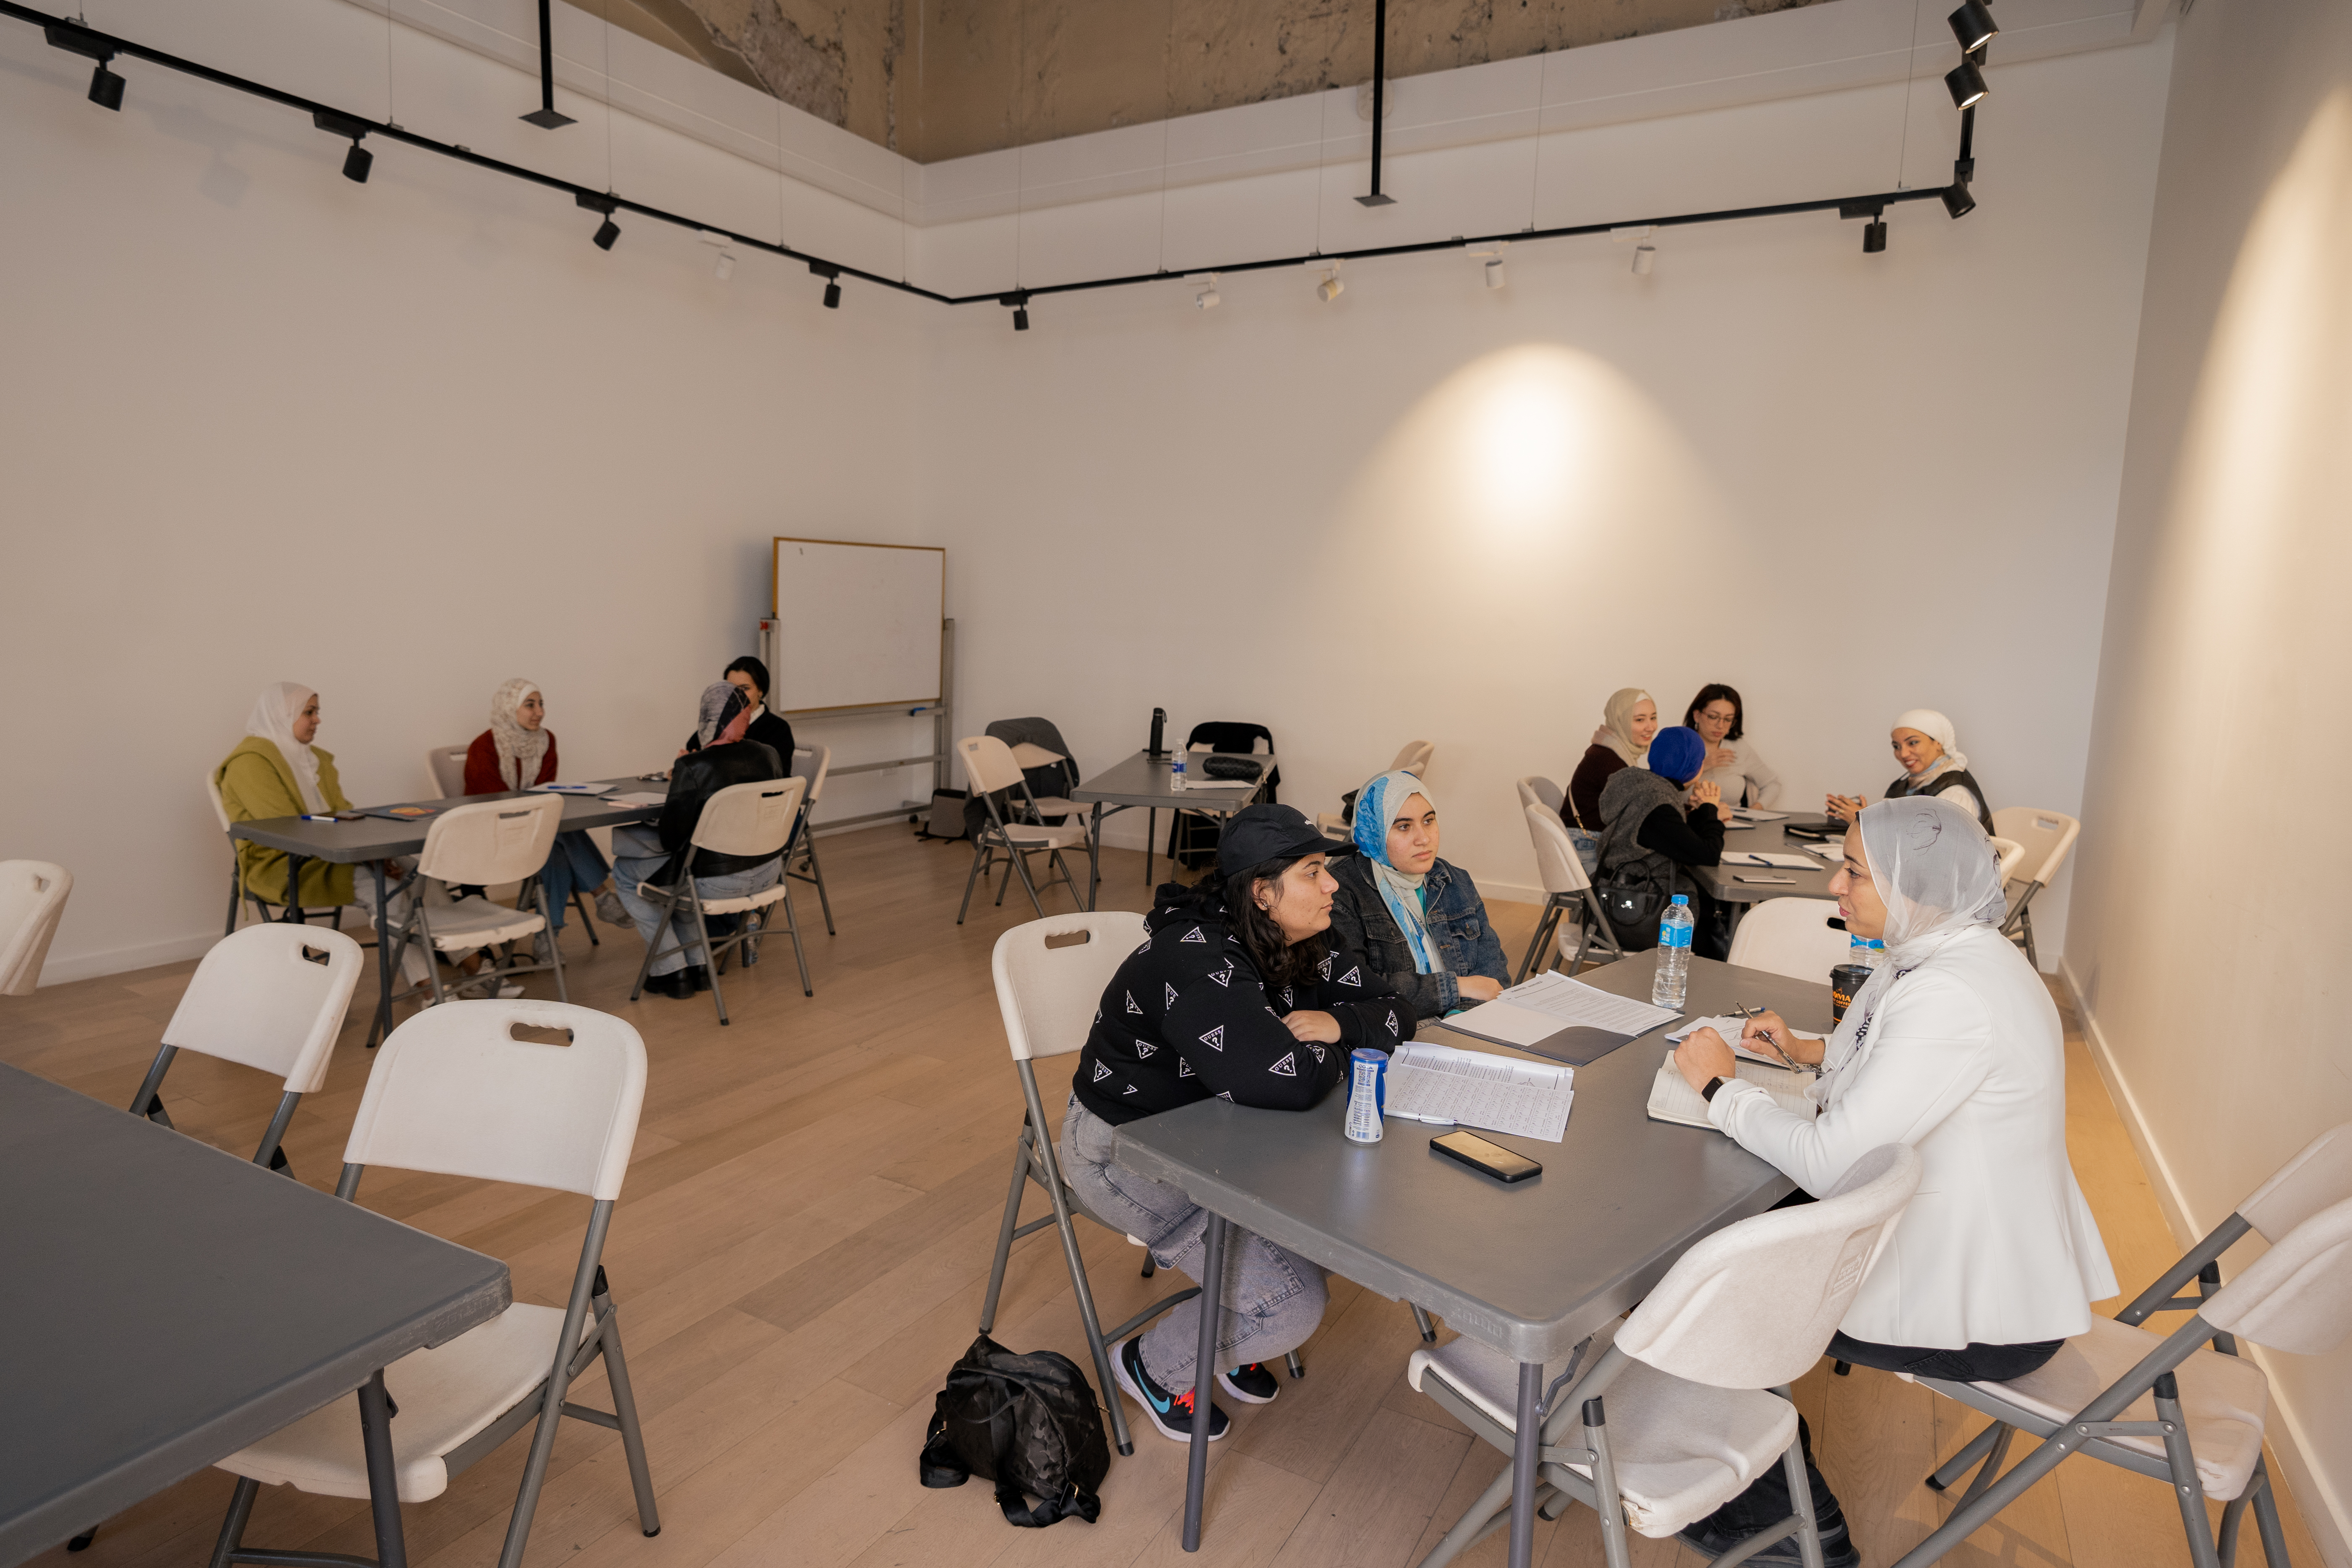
[1368,1093]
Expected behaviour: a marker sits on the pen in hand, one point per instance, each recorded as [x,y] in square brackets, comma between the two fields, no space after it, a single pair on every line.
[1766,1036]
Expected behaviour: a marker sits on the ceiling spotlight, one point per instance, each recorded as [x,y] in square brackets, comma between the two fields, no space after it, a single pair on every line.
[1020,303]
[1957,200]
[606,233]
[1874,237]
[1208,298]
[105,87]
[725,267]
[722,263]
[356,164]
[1494,273]
[1966,84]
[832,276]
[1330,288]
[833,296]
[1645,257]
[1973,26]
[359,160]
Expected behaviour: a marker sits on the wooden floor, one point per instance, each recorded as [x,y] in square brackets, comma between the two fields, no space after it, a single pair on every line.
[800,1255]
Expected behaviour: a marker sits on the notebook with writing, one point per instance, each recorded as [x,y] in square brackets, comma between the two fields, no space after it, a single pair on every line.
[1673,1099]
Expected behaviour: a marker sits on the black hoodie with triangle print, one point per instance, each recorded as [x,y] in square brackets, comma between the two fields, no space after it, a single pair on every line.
[1188,1017]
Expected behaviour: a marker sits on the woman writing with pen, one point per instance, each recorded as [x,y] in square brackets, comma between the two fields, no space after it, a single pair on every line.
[1953,1047]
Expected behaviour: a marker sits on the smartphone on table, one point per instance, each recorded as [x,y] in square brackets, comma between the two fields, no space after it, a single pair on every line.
[1479,1154]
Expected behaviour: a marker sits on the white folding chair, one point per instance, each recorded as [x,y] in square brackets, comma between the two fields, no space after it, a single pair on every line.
[1566,888]
[2098,1394]
[1014,832]
[454,1092]
[2046,836]
[2011,853]
[811,764]
[1671,1417]
[1050,978]
[272,997]
[1537,790]
[492,842]
[238,890]
[1792,937]
[447,766]
[32,901]
[751,820]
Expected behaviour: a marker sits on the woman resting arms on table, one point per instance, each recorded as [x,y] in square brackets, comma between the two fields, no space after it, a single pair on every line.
[1416,919]
[1953,1047]
[516,752]
[1929,752]
[1236,995]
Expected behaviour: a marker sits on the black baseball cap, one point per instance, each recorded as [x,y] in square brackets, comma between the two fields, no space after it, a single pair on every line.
[1259,834]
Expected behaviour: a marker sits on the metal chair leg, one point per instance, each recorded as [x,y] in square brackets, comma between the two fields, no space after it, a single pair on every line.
[1297,1368]
[1004,1232]
[1020,863]
[978,853]
[624,1404]
[1428,1329]
[792,924]
[587,919]
[702,937]
[555,960]
[240,1508]
[2266,1517]
[1953,1468]
[816,875]
[661,934]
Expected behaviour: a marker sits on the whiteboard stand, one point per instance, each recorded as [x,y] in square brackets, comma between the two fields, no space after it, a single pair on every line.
[941,713]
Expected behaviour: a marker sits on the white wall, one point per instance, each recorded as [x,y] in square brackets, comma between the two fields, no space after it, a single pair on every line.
[2209,926]
[398,441]
[1846,484]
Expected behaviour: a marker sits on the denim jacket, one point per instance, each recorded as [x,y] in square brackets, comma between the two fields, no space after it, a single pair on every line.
[1456,916]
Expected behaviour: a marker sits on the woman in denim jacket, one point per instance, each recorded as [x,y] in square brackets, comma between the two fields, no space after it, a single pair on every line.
[1418,921]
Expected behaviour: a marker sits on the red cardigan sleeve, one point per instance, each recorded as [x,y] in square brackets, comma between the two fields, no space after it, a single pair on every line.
[482,766]
[547,763]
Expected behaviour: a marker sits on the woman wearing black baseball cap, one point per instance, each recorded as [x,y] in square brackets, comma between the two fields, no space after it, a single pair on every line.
[1237,994]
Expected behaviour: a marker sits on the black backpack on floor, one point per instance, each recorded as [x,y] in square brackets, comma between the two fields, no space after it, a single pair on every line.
[1029,1424]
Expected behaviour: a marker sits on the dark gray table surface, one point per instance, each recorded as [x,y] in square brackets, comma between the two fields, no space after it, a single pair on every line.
[1142,780]
[380,837]
[1764,837]
[163,1304]
[1531,1268]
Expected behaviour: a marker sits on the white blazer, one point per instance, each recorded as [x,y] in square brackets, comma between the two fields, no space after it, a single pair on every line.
[1964,1060]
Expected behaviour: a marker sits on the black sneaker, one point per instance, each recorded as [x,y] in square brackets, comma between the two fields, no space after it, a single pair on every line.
[674,986]
[698,977]
[1252,1385]
[1838,1550]
[1172,1413]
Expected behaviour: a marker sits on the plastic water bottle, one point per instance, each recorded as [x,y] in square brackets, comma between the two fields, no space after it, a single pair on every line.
[1176,771]
[1863,952]
[1674,929]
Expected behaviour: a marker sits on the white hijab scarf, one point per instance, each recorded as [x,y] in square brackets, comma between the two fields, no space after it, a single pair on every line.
[1377,804]
[1938,728]
[1937,874]
[1617,723]
[519,750]
[272,719]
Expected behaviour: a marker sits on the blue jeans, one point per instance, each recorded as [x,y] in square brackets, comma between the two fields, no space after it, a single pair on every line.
[636,855]
[1274,1298]
[573,863]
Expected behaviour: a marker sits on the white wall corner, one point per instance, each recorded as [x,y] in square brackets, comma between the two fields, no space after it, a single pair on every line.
[2324,1513]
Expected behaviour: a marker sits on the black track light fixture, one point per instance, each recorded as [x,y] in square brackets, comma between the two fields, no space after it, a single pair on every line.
[608,231]
[359,160]
[1973,26]
[832,276]
[1020,303]
[1966,84]
[105,87]
[1957,200]
[1874,232]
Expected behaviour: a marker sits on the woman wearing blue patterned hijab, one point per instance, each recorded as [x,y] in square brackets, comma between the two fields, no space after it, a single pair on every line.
[1416,919]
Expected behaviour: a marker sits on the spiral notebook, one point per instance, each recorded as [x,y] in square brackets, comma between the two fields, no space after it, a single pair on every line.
[1672,1099]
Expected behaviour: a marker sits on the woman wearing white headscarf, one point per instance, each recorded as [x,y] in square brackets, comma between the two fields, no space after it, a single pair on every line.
[1628,722]
[276,771]
[517,751]
[1417,921]
[1929,752]
[1953,1047]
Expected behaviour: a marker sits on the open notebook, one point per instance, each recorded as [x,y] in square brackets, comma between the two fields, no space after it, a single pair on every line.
[1671,1100]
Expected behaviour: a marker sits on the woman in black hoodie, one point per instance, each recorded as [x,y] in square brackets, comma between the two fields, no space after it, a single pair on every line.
[1236,995]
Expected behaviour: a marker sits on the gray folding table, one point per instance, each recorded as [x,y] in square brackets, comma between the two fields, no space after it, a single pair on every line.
[1722,882]
[1143,779]
[373,840]
[164,1304]
[1530,1270]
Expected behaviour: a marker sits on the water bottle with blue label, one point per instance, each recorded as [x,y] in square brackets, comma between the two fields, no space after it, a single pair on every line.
[1176,771]
[1673,982]
[1863,952]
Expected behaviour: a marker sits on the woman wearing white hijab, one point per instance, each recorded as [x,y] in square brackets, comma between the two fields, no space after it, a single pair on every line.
[1417,921]
[277,772]
[1929,752]
[1953,1047]
[1629,721]
[517,751]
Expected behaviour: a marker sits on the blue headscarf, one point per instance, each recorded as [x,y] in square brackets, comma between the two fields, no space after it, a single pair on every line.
[1377,806]
[1677,753]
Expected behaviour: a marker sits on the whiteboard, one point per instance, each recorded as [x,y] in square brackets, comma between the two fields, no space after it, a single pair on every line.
[857,624]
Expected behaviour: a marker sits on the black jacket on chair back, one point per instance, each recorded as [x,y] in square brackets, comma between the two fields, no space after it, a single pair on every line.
[694,778]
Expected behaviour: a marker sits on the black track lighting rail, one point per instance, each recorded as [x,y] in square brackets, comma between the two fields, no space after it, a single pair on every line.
[70,35]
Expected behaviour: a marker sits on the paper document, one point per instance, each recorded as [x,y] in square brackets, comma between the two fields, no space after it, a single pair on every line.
[1472,1088]
[1832,850]
[560,788]
[1728,1027]
[1779,862]
[1752,814]
[1672,1099]
[1552,1001]
[639,798]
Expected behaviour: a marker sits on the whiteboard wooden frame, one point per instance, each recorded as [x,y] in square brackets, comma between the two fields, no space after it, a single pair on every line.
[776,565]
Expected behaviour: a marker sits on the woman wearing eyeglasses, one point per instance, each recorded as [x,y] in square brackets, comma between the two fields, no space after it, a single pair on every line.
[1733,765]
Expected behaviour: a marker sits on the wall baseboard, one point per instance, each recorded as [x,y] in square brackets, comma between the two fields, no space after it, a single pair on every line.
[2324,1512]
[118,960]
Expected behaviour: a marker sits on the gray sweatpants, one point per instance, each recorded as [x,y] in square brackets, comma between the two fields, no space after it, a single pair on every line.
[1274,1298]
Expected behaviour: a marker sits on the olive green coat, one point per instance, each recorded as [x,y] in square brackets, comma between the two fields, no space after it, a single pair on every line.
[256,783]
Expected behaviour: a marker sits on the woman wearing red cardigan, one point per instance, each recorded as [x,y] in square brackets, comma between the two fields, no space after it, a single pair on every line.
[515,752]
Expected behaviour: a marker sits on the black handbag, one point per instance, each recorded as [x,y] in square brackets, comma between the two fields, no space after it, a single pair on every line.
[1028,1423]
[1631,909]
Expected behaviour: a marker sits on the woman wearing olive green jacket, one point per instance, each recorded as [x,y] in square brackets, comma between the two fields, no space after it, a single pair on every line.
[276,771]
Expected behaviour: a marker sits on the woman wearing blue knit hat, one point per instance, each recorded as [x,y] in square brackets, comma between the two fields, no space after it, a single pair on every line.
[1654,819]
[1417,919]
